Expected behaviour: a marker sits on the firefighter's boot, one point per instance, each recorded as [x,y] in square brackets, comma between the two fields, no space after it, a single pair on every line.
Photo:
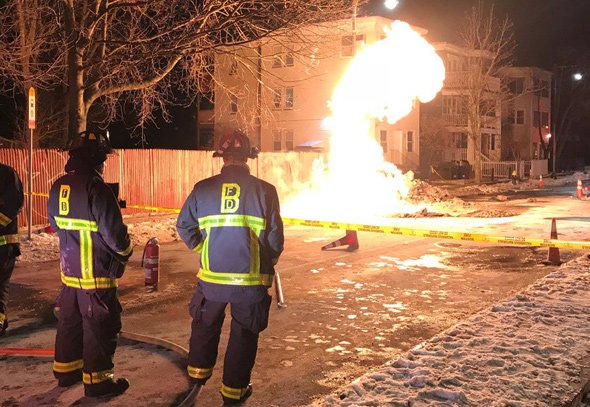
[109,388]
[229,401]
[71,379]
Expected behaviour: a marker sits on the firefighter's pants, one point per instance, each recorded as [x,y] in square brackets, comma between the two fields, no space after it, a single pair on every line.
[86,339]
[8,255]
[248,320]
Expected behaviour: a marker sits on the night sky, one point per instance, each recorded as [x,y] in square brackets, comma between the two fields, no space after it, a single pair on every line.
[545,30]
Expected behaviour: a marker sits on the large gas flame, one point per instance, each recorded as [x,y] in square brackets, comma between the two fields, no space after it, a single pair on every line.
[382,82]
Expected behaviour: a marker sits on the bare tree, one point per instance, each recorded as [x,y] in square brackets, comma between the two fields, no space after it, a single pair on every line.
[135,52]
[28,41]
[490,44]
[434,140]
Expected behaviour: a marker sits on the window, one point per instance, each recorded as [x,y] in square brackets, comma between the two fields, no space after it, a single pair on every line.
[545,119]
[281,57]
[276,140]
[277,100]
[288,98]
[205,136]
[347,48]
[277,56]
[233,104]
[410,141]
[383,140]
[519,117]
[460,140]
[493,142]
[516,86]
[289,140]
[289,60]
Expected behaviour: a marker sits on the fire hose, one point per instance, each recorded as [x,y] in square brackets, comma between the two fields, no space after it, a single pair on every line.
[162,343]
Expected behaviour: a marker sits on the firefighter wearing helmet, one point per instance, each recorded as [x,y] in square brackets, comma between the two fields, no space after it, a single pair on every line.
[11,202]
[94,248]
[233,220]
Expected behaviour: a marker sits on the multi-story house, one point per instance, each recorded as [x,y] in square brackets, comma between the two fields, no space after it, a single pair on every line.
[526,116]
[279,90]
[450,109]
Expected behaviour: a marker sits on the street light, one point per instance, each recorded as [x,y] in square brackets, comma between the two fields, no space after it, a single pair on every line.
[555,99]
[391,4]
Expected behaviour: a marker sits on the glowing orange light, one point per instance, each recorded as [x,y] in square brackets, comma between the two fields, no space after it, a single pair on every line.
[382,82]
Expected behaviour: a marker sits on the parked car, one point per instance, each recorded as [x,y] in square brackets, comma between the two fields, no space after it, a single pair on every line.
[455,169]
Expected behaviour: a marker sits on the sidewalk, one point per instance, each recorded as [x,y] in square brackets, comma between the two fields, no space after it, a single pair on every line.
[530,350]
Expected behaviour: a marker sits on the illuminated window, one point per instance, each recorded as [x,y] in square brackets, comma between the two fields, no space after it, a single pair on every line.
[276,140]
[233,104]
[289,140]
[410,141]
[289,98]
[383,140]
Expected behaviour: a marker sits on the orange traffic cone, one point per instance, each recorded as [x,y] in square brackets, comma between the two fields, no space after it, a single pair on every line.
[350,240]
[579,190]
[553,256]
[540,181]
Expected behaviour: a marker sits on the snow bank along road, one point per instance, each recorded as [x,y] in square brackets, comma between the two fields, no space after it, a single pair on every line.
[530,350]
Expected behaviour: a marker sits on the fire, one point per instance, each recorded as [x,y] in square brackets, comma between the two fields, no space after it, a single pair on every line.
[382,82]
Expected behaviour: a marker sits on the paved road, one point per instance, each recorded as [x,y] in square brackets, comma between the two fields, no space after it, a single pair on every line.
[347,311]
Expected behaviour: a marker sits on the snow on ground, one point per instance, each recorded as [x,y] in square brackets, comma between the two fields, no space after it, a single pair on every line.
[45,246]
[526,351]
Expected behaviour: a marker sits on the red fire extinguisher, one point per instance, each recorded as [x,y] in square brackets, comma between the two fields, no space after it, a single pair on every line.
[151,263]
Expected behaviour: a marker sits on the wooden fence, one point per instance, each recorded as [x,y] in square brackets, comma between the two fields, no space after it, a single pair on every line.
[160,178]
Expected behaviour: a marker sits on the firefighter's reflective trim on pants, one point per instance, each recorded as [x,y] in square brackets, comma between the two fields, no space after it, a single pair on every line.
[232,393]
[126,251]
[89,283]
[235,278]
[2,318]
[7,239]
[199,373]
[97,377]
[76,224]
[4,220]
[67,367]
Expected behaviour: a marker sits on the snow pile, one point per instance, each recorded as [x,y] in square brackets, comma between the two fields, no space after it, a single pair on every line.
[500,187]
[45,246]
[41,247]
[529,350]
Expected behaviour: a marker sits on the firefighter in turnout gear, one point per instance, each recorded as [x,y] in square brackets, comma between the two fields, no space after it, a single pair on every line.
[94,247]
[233,221]
[11,203]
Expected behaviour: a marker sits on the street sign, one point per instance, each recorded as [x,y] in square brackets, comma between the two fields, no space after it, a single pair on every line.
[31,108]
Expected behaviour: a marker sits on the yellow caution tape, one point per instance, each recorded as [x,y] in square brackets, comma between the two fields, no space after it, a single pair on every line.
[38,194]
[439,234]
[405,231]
